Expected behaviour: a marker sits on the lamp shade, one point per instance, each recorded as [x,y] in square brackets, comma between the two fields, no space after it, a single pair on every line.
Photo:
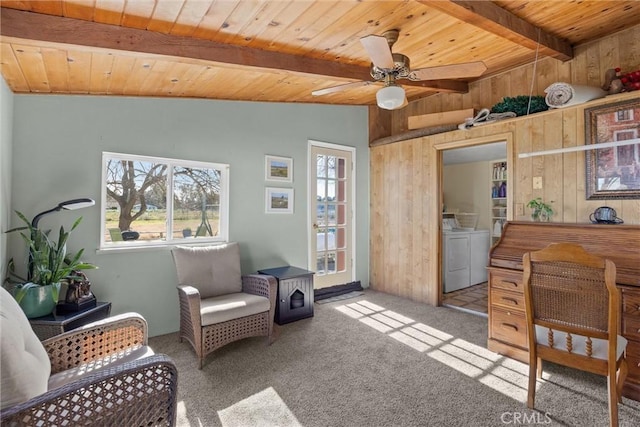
[391,97]
[76,204]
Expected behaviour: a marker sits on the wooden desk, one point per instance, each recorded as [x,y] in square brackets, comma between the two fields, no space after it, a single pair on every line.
[54,324]
[507,322]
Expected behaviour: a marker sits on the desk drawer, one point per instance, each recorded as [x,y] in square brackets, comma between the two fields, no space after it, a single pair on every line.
[507,299]
[509,326]
[631,327]
[508,280]
[633,360]
[630,302]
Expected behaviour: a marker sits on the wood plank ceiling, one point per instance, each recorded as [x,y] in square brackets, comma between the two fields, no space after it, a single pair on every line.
[282,50]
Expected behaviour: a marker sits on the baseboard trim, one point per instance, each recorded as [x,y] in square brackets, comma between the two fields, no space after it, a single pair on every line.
[333,291]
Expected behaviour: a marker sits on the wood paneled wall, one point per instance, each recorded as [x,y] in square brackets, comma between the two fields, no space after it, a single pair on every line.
[406,176]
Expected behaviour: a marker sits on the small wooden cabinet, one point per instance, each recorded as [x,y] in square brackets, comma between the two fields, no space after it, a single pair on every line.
[507,322]
[295,293]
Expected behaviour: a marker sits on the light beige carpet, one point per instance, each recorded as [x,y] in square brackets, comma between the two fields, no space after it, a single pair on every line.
[379,360]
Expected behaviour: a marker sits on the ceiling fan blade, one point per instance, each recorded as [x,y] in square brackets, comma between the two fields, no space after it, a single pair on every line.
[379,51]
[455,71]
[339,88]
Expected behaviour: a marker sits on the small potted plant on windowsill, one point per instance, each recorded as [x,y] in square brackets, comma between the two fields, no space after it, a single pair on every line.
[47,266]
[541,211]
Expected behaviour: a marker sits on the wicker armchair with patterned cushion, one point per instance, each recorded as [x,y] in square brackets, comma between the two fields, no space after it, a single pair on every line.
[100,374]
[217,304]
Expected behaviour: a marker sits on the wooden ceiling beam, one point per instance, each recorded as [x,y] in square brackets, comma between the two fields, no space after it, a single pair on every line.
[18,24]
[490,17]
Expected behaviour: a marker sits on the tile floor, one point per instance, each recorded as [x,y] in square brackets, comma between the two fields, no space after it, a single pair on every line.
[473,298]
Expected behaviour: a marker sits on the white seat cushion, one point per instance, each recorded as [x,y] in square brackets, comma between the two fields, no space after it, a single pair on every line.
[232,306]
[65,377]
[599,347]
[24,363]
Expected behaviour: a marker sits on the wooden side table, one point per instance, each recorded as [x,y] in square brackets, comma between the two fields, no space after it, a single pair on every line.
[54,324]
[295,293]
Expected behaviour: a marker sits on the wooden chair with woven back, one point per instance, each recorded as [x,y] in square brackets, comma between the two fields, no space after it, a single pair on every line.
[573,316]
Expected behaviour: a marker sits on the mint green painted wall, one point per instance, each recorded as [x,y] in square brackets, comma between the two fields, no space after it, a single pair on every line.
[58,142]
[6,141]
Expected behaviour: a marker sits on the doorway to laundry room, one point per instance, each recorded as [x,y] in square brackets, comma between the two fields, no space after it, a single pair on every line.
[474,209]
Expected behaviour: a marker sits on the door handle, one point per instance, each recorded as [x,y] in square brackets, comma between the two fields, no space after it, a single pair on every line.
[315,226]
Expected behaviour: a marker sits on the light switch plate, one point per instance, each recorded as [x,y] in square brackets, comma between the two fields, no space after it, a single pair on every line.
[537,183]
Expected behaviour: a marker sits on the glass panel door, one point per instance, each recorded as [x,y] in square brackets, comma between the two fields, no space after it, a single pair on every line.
[331,236]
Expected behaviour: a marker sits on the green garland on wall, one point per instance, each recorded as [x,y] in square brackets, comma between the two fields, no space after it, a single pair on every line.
[519,105]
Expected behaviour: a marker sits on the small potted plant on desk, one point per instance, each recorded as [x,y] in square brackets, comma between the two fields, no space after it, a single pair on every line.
[541,211]
[48,265]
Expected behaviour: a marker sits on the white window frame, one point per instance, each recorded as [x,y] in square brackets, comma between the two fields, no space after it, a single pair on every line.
[223,230]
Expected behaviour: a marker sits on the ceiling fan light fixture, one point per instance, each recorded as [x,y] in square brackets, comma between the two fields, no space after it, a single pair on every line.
[391,97]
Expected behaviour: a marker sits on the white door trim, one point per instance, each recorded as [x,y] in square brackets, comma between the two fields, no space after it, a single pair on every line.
[310,191]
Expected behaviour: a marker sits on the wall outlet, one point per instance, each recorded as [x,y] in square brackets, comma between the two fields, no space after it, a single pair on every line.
[519,209]
[537,183]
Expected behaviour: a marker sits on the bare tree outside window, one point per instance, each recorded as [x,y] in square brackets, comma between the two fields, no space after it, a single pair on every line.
[128,183]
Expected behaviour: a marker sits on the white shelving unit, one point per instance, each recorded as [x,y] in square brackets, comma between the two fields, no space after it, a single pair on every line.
[498,192]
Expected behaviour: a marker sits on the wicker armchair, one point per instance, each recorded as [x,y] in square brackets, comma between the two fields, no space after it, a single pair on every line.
[572,307]
[217,304]
[101,374]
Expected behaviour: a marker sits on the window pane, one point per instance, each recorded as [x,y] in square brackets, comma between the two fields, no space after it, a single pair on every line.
[342,261]
[331,262]
[196,202]
[321,171]
[321,189]
[342,217]
[342,194]
[341,168]
[151,201]
[341,237]
[331,190]
[320,264]
[331,166]
[331,238]
[331,214]
[136,201]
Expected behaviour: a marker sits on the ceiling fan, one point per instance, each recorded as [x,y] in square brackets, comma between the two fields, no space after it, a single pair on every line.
[387,67]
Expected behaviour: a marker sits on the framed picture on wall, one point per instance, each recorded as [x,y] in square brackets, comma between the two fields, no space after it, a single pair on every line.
[279,200]
[613,172]
[278,168]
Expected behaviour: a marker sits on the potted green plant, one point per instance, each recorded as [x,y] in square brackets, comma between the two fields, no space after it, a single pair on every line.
[541,211]
[48,264]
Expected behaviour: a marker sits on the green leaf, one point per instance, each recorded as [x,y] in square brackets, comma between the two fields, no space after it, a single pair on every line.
[55,292]
[48,260]
[76,223]
[21,290]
